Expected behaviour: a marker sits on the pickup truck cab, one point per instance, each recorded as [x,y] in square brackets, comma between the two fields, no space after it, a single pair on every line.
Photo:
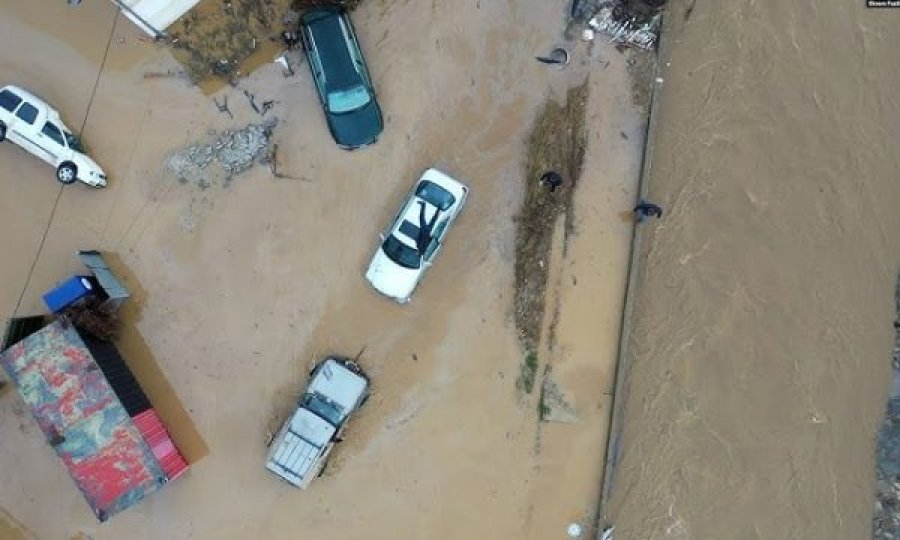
[32,124]
[298,453]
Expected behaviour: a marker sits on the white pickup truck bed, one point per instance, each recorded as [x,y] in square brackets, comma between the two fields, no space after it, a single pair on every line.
[298,447]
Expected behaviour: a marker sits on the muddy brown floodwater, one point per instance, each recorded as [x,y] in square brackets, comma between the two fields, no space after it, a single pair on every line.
[241,285]
[761,332]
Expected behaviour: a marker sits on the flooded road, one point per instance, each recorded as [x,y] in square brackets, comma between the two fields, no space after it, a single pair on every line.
[241,287]
[761,336]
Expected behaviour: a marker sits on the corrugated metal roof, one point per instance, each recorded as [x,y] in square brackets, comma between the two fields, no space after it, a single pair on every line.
[83,419]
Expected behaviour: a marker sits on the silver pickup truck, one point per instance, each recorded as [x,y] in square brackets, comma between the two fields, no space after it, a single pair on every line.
[337,388]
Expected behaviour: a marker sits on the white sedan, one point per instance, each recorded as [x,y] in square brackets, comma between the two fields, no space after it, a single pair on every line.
[416,235]
[32,124]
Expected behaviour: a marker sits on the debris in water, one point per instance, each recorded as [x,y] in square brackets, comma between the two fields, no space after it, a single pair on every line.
[557,56]
[573,530]
[557,142]
[271,159]
[283,61]
[252,99]
[230,154]
[223,107]
[625,26]
[553,405]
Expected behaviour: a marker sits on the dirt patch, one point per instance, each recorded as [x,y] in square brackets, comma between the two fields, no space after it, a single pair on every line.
[215,38]
[228,155]
[556,143]
[553,406]
[641,66]
[527,372]
[220,39]
[10,529]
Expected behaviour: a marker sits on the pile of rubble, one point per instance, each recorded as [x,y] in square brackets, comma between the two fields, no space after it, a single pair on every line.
[624,22]
[229,154]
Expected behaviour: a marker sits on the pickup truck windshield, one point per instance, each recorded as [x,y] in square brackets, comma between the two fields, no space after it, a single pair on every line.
[323,408]
[348,99]
[401,254]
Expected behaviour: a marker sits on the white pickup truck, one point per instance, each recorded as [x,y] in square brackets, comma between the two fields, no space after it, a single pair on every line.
[337,388]
[32,124]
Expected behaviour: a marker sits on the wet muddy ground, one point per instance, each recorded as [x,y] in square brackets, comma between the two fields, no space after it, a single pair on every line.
[241,286]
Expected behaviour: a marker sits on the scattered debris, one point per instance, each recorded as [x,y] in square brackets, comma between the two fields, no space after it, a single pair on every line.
[217,39]
[168,74]
[252,99]
[527,372]
[91,315]
[282,60]
[231,153]
[556,143]
[553,406]
[641,68]
[214,38]
[573,530]
[581,9]
[272,160]
[290,39]
[558,56]
[223,107]
[607,533]
[626,26]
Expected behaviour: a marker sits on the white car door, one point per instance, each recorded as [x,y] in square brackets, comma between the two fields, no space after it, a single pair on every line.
[50,139]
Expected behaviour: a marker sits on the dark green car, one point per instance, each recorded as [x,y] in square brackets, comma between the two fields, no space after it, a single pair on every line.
[342,79]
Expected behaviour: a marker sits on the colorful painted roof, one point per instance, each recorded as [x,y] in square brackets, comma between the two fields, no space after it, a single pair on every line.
[83,419]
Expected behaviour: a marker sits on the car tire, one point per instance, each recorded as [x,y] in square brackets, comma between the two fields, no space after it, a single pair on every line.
[2,132]
[67,173]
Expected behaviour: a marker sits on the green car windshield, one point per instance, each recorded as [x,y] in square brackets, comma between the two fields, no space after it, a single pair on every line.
[348,99]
